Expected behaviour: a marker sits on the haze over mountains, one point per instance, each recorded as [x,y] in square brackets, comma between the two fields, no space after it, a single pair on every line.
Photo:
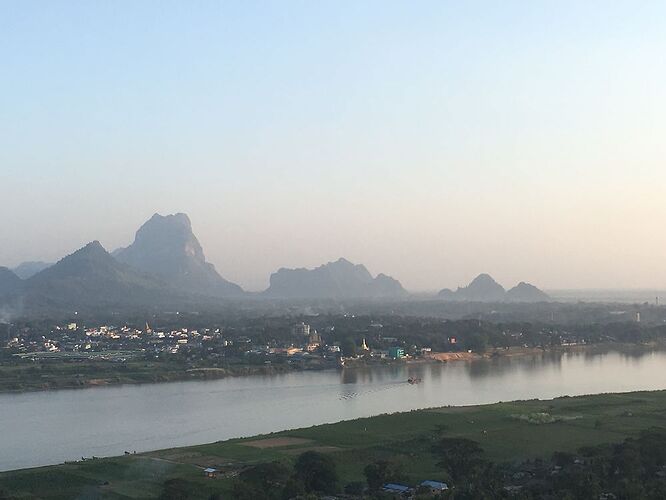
[92,277]
[89,277]
[28,269]
[166,265]
[166,247]
[484,288]
[339,279]
[9,282]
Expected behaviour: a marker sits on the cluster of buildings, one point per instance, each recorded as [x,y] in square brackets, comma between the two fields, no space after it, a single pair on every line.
[424,488]
[74,338]
[392,347]
[305,343]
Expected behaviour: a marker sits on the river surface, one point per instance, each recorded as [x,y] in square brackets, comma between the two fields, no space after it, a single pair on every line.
[41,428]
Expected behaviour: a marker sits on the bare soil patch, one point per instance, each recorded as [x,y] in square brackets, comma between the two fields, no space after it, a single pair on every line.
[319,449]
[454,356]
[276,442]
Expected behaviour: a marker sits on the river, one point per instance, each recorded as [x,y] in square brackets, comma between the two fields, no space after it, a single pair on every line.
[42,428]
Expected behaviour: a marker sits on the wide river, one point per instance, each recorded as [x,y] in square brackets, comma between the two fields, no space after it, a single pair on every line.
[43,428]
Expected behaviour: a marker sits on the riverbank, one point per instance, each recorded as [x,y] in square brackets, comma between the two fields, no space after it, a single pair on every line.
[52,375]
[510,352]
[49,375]
[508,433]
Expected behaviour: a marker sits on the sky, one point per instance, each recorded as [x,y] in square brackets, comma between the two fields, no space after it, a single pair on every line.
[429,140]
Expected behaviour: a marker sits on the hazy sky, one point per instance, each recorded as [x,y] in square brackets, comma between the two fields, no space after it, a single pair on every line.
[429,140]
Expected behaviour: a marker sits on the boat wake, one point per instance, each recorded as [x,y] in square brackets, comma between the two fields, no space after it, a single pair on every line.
[374,390]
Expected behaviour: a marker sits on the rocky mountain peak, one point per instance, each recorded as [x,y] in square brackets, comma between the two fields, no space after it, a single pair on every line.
[340,279]
[166,246]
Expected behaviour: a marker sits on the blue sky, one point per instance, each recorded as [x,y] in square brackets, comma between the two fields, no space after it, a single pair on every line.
[429,140]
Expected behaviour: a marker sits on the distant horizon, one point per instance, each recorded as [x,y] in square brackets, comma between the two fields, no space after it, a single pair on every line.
[395,206]
[428,142]
[431,291]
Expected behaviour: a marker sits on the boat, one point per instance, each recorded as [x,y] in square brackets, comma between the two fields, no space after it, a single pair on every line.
[414,380]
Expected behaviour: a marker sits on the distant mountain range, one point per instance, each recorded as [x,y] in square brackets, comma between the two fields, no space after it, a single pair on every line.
[88,278]
[484,288]
[339,279]
[166,265]
[91,277]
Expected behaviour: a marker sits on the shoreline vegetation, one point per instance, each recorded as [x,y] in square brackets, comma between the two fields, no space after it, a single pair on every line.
[62,375]
[87,375]
[516,448]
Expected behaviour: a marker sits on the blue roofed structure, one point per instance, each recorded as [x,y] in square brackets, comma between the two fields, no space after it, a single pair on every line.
[396,488]
[435,485]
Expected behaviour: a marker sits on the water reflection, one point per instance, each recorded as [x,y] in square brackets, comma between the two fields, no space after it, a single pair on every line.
[107,421]
[495,367]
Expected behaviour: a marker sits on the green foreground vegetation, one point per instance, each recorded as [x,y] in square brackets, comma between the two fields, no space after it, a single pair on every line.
[505,442]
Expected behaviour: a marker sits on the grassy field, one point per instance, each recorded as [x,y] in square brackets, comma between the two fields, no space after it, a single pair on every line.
[508,432]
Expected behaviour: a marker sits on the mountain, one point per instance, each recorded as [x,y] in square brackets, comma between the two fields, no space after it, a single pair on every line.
[524,292]
[166,247]
[340,279]
[92,277]
[386,286]
[484,288]
[9,282]
[28,269]
[447,294]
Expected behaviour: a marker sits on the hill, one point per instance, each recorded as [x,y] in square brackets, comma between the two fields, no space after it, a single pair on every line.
[340,279]
[484,288]
[524,292]
[91,277]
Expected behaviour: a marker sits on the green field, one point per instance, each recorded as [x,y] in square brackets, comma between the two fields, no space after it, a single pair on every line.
[507,432]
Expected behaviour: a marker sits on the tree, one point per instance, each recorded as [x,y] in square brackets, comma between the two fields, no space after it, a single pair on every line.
[317,472]
[268,476]
[355,488]
[243,490]
[293,489]
[477,342]
[175,489]
[348,347]
[379,473]
[562,458]
[459,456]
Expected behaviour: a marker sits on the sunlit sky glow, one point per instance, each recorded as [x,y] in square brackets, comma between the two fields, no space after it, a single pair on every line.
[431,141]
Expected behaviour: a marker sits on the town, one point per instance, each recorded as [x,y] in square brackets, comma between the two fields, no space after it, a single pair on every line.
[73,341]
[80,352]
